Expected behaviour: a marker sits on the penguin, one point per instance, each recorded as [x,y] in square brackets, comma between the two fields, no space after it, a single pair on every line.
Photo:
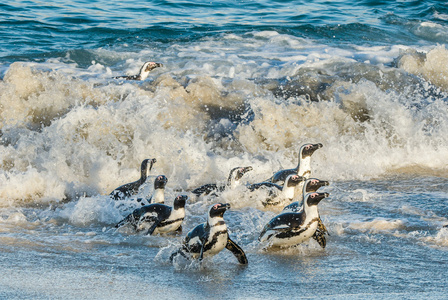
[232,181]
[157,218]
[144,71]
[278,194]
[131,189]
[158,196]
[293,228]
[303,168]
[209,238]
[311,185]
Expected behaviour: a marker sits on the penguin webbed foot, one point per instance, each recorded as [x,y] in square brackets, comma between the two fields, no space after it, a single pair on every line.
[178,230]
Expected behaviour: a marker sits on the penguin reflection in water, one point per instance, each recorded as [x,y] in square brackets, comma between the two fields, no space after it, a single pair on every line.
[144,71]
[232,182]
[130,189]
[293,228]
[157,218]
[210,238]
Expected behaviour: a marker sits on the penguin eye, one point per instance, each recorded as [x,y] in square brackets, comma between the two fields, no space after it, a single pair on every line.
[308,147]
[216,206]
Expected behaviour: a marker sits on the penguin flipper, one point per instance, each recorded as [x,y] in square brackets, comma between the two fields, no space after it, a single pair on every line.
[321,227]
[237,251]
[320,238]
[201,253]
[128,219]
[151,229]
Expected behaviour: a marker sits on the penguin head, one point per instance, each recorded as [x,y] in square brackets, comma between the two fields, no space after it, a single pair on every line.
[218,210]
[315,198]
[180,201]
[308,149]
[293,180]
[147,165]
[241,171]
[148,67]
[313,184]
[160,182]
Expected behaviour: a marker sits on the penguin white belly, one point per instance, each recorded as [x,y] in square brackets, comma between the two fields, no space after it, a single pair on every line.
[168,228]
[220,244]
[172,223]
[294,239]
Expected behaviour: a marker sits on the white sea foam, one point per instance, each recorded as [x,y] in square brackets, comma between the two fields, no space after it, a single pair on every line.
[64,136]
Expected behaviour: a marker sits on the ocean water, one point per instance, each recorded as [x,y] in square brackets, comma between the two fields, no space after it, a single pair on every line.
[244,83]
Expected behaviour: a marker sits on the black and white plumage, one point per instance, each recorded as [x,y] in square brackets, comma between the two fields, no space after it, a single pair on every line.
[144,71]
[311,185]
[130,189]
[209,238]
[232,181]
[292,228]
[157,218]
[278,195]
[158,196]
[303,168]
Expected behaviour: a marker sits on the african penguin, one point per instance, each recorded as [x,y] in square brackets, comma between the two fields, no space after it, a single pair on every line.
[232,181]
[158,196]
[311,185]
[303,168]
[278,194]
[157,218]
[131,189]
[292,228]
[211,237]
[144,71]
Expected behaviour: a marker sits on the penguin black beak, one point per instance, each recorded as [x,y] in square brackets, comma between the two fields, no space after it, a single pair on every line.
[152,66]
[226,206]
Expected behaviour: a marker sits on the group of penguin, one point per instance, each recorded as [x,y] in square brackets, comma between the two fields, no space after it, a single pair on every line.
[298,222]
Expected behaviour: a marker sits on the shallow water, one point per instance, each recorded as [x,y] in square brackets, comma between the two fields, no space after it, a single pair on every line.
[242,85]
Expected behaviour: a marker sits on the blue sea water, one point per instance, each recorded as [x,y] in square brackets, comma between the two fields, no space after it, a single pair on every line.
[243,83]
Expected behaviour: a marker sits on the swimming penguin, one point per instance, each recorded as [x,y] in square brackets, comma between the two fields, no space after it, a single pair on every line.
[158,196]
[311,185]
[303,168]
[157,218]
[131,189]
[211,237]
[292,228]
[144,71]
[278,194]
[232,181]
